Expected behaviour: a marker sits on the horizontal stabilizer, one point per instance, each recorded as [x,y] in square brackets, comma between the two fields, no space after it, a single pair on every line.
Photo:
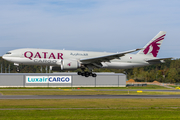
[158,60]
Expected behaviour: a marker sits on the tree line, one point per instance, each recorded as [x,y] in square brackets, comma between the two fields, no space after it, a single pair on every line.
[168,72]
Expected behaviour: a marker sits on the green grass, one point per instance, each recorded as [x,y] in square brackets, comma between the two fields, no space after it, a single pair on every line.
[160,114]
[147,87]
[81,109]
[91,109]
[174,86]
[91,103]
[69,92]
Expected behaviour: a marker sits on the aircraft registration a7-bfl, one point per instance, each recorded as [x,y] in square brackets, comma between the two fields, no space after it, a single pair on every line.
[71,60]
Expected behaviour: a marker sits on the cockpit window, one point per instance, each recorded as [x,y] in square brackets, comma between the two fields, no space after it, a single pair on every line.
[8,53]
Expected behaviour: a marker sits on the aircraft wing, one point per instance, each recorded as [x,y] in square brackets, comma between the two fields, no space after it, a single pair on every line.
[157,60]
[106,58]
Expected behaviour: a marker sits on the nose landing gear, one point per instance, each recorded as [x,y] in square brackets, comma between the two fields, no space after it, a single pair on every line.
[17,67]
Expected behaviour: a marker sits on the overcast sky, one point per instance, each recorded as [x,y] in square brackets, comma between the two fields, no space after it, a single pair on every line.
[92,25]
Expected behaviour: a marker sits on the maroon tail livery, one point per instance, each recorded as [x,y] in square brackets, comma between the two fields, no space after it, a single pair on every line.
[153,47]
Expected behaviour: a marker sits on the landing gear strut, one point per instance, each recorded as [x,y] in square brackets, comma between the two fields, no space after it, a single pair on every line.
[17,67]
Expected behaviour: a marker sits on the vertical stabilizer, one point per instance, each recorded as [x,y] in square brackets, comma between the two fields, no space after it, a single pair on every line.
[153,47]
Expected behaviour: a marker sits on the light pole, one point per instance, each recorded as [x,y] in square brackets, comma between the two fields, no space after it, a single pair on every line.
[126,75]
[1,68]
[9,68]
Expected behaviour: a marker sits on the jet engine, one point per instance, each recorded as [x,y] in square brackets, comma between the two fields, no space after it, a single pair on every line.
[67,64]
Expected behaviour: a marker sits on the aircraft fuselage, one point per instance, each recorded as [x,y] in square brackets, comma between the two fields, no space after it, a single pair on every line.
[54,57]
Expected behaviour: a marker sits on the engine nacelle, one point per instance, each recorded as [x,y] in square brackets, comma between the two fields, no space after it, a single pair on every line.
[67,64]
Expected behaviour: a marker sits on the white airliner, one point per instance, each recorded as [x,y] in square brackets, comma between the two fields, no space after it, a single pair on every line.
[69,60]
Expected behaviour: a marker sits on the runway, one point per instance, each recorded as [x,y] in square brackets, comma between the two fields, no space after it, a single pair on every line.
[87,96]
[150,90]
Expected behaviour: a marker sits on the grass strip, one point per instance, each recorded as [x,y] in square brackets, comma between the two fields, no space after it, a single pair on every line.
[90,92]
[161,114]
[103,109]
[91,103]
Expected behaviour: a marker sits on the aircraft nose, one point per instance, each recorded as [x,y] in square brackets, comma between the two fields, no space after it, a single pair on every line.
[5,57]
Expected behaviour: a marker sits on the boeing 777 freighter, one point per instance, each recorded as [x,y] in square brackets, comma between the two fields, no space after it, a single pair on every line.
[71,60]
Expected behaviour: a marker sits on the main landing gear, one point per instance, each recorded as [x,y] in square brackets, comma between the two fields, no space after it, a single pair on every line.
[87,74]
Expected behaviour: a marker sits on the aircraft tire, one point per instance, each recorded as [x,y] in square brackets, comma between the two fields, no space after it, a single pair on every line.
[94,75]
[79,73]
[86,75]
[82,74]
[90,74]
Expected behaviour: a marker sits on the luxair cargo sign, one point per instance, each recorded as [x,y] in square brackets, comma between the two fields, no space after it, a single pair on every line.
[48,79]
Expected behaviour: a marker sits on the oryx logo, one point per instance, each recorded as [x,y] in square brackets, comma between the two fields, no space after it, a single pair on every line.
[154,46]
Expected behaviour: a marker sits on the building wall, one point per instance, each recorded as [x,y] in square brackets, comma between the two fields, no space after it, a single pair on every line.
[102,80]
